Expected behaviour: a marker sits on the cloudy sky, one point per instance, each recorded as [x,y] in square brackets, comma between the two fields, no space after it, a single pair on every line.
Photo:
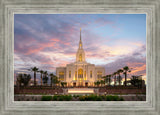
[51,40]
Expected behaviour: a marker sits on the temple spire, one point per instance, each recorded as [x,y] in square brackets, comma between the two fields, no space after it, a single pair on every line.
[80,42]
[80,34]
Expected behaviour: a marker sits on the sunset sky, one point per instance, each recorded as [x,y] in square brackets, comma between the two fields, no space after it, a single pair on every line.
[48,41]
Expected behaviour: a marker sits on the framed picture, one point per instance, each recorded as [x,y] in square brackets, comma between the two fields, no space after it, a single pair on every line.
[59,58]
[90,72]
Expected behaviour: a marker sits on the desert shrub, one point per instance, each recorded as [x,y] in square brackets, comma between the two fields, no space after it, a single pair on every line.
[46,98]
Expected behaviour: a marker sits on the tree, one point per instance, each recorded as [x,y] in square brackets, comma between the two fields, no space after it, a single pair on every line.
[24,78]
[95,83]
[19,79]
[41,71]
[102,82]
[114,74]
[126,69]
[54,79]
[108,79]
[51,77]
[45,78]
[119,76]
[136,81]
[98,83]
[34,69]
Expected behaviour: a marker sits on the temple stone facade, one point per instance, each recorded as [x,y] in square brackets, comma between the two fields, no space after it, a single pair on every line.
[80,73]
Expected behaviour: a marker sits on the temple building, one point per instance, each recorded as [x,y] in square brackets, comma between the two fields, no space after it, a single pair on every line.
[80,73]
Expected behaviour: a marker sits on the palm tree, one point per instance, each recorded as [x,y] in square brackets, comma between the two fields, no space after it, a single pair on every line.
[136,81]
[95,83]
[41,71]
[104,79]
[51,77]
[107,79]
[54,79]
[34,69]
[102,82]
[98,82]
[126,69]
[45,78]
[119,77]
[114,74]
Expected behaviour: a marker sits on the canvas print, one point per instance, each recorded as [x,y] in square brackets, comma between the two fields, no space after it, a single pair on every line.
[80,57]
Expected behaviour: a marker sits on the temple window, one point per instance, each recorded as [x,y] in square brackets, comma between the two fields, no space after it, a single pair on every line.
[75,75]
[99,75]
[80,73]
[80,57]
[61,75]
[69,74]
[90,74]
[85,75]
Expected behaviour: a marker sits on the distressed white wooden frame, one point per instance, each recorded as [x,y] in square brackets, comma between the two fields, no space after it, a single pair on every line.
[10,7]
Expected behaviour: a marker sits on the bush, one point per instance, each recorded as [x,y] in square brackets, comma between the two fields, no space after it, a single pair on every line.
[46,98]
[113,98]
[82,98]
[55,98]
[75,96]
[103,97]
[121,99]
[99,98]
[90,98]
[63,98]
[67,97]
[109,98]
